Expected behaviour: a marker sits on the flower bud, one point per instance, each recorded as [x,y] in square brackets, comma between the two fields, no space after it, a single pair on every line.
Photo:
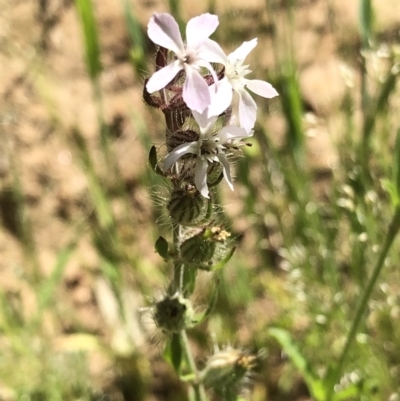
[173,313]
[226,368]
[174,139]
[186,205]
[197,250]
[200,248]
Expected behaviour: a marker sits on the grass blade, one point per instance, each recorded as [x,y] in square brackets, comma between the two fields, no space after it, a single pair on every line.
[90,37]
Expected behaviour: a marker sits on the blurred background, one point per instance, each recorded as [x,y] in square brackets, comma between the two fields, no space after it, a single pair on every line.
[80,209]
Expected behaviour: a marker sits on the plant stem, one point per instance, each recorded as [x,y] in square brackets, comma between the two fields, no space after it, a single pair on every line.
[199,391]
[391,234]
[198,388]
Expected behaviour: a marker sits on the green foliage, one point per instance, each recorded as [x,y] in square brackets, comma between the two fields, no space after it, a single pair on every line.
[90,37]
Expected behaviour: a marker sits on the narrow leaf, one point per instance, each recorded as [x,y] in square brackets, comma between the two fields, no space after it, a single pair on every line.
[200,317]
[173,352]
[89,29]
[396,168]
[314,384]
[366,21]
[224,261]
[48,287]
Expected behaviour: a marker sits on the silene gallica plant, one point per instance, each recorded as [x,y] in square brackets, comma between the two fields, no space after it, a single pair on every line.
[195,85]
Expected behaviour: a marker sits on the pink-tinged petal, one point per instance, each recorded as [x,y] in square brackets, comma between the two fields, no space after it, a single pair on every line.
[243,51]
[200,177]
[233,132]
[164,31]
[226,170]
[205,123]
[161,78]
[200,28]
[247,110]
[211,51]
[222,99]
[261,88]
[178,152]
[195,91]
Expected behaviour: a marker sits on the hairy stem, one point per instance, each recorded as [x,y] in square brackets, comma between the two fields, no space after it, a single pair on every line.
[199,391]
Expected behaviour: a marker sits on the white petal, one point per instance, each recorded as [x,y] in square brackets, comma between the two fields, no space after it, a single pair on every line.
[200,28]
[200,177]
[261,88]
[178,152]
[208,66]
[247,110]
[161,78]
[243,51]
[212,52]
[222,99]
[205,123]
[164,31]
[195,91]
[233,132]
[226,170]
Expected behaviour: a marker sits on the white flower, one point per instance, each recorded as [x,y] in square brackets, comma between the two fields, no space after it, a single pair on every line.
[210,147]
[235,80]
[198,53]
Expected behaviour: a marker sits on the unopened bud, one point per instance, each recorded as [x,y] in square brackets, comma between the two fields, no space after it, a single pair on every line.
[226,368]
[200,249]
[197,250]
[173,313]
[186,205]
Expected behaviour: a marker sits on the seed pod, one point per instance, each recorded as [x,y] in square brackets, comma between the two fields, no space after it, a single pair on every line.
[173,313]
[186,205]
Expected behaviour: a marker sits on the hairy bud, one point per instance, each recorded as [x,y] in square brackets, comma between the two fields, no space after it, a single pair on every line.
[227,368]
[173,313]
[200,248]
[186,205]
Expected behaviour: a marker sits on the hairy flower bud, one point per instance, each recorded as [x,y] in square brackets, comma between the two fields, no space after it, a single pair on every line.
[186,205]
[173,313]
[227,368]
[199,249]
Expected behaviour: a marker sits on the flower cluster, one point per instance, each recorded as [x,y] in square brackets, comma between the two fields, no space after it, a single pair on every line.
[196,83]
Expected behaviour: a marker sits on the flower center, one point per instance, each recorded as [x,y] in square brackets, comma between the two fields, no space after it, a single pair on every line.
[188,57]
[235,72]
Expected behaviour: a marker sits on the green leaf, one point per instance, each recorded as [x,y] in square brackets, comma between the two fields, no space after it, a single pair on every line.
[224,261]
[89,28]
[137,39]
[48,287]
[366,21]
[173,352]
[350,392]
[389,187]
[315,385]
[200,317]
[153,161]
[396,168]
[161,247]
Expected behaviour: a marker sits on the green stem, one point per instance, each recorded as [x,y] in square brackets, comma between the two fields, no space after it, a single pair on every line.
[198,388]
[391,234]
